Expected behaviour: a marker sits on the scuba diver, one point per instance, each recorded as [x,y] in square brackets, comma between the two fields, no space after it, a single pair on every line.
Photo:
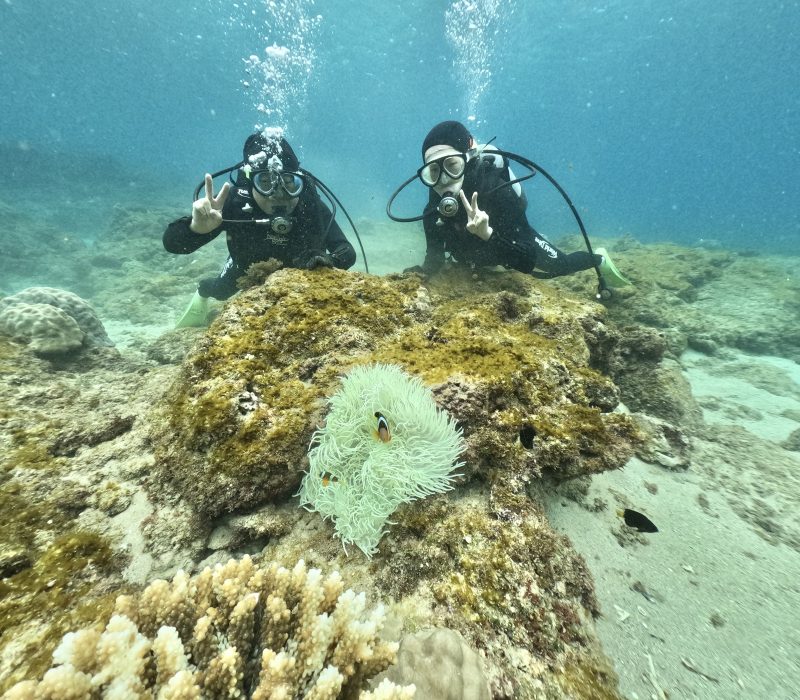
[273,210]
[476,212]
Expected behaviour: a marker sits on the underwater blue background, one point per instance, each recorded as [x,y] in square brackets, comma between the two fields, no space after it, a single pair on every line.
[673,120]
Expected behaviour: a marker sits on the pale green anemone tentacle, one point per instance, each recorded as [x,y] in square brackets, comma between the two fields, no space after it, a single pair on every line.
[358,480]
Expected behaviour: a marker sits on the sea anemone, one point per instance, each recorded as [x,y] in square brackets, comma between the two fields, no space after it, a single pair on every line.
[358,477]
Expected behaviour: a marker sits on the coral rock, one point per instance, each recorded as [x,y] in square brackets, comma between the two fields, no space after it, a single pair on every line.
[46,329]
[51,321]
[441,666]
[504,356]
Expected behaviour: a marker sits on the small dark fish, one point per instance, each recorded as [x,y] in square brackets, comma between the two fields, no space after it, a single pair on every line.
[636,520]
[328,479]
[383,427]
[639,587]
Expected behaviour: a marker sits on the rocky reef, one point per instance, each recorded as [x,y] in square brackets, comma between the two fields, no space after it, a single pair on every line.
[508,361]
[706,299]
[119,469]
[505,357]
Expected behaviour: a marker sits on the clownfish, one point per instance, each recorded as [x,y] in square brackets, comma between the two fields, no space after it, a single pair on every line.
[383,428]
[328,479]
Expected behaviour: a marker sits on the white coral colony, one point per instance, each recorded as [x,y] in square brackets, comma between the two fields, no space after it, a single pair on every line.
[197,638]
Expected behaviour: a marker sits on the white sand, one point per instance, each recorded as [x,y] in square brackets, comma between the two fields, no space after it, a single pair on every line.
[711,556]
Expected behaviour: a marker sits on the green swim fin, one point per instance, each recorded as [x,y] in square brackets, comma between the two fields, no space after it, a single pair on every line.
[196,314]
[612,276]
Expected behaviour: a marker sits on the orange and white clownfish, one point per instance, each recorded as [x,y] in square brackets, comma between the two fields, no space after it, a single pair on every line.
[328,479]
[383,427]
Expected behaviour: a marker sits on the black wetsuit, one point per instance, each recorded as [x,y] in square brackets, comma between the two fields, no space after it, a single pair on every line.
[514,242]
[250,242]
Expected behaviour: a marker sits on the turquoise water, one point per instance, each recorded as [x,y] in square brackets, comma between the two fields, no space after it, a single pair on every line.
[669,120]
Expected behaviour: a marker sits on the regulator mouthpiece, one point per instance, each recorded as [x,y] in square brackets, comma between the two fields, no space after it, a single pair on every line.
[281,225]
[448,206]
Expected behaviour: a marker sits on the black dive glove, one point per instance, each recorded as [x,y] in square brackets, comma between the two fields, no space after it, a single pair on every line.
[315,260]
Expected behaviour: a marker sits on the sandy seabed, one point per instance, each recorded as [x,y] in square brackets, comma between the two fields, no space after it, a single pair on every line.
[705,608]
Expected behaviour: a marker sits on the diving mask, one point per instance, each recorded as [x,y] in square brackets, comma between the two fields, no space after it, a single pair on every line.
[452,165]
[268,182]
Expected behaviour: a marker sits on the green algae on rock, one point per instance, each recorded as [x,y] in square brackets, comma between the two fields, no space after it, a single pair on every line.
[511,585]
[499,354]
[238,422]
[59,589]
[65,445]
[51,569]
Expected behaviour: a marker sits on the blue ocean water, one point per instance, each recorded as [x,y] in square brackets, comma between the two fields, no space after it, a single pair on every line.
[674,120]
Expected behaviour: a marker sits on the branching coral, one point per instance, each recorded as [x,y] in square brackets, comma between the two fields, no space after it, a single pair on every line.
[359,479]
[239,630]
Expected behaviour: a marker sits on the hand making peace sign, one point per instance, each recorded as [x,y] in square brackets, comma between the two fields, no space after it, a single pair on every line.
[477,219]
[207,211]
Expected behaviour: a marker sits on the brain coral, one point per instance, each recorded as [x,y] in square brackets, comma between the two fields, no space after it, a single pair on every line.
[359,479]
[51,320]
[441,665]
[46,329]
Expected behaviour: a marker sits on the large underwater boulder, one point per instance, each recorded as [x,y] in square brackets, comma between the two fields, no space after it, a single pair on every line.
[509,358]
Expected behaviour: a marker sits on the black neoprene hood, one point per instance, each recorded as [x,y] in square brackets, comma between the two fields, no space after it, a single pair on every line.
[448,133]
